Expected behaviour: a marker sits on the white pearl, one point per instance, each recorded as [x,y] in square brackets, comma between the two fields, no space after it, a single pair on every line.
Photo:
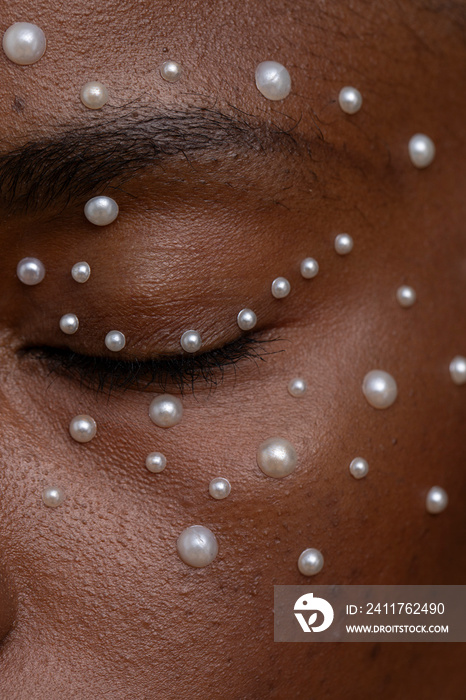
[24,43]
[421,150]
[350,100]
[69,324]
[191,341]
[436,500]
[280,288]
[379,388]
[297,387]
[405,296]
[52,496]
[343,244]
[277,457]
[170,71]
[246,319]
[197,546]
[156,462]
[115,341]
[94,95]
[101,211]
[83,428]
[81,272]
[30,271]
[219,488]
[309,268]
[359,468]
[310,562]
[166,411]
[273,80]
[458,370]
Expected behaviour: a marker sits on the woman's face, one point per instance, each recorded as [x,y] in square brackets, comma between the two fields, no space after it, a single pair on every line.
[221,191]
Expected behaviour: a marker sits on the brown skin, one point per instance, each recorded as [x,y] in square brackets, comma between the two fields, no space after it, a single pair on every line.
[94,601]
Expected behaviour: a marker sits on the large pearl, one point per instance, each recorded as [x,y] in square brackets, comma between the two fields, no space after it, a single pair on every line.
[101,211]
[24,43]
[30,271]
[280,288]
[246,319]
[350,100]
[436,500]
[115,341]
[83,428]
[219,488]
[379,388]
[197,546]
[421,150]
[310,562]
[52,496]
[277,457]
[156,462]
[309,268]
[343,244]
[359,468]
[405,296]
[458,370]
[191,341]
[94,95]
[166,411]
[170,71]
[69,324]
[81,272]
[273,80]
[297,387]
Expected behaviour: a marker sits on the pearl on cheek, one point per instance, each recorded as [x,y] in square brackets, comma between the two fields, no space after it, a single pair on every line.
[309,268]
[343,244]
[101,211]
[379,388]
[170,71]
[24,43]
[115,341]
[30,271]
[81,272]
[197,546]
[405,296]
[246,319]
[310,562]
[280,288]
[458,370]
[421,150]
[350,100]
[94,95]
[273,80]
[83,428]
[166,411]
[359,468]
[69,324]
[52,496]
[156,462]
[191,341]
[297,387]
[219,488]
[276,457]
[436,500]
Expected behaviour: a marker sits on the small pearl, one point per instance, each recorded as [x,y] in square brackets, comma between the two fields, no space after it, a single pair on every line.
[359,468]
[24,43]
[101,211]
[350,100]
[246,319]
[197,546]
[191,341]
[115,341]
[219,488]
[405,296]
[309,268]
[436,500]
[277,457]
[166,411]
[94,95]
[30,271]
[83,428]
[81,272]
[297,387]
[170,71]
[421,150]
[458,370]
[52,496]
[69,324]
[379,388]
[280,288]
[273,80]
[156,462]
[343,244]
[310,562]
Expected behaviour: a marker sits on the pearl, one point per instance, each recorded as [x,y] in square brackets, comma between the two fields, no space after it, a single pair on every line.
[350,100]
[310,562]
[379,388]
[24,43]
[273,80]
[69,324]
[421,150]
[309,268]
[81,272]
[156,462]
[170,71]
[343,244]
[436,500]
[30,271]
[246,319]
[115,341]
[219,488]
[166,411]
[191,341]
[83,428]
[101,211]
[52,496]
[277,457]
[359,468]
[405,296]
[94,95]
[197,546]
[458,370]
[297,387]
[280,288]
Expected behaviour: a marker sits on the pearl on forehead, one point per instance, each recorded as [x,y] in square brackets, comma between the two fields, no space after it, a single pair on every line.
[83,428]
[405,296]
[350,100]
[219,488]
[191,341]
[166,411]
[359,468]
[197,546]
[101,211]
[280,288]
[156,462]
[276,457]
[24,43]
[30,271]
[379,388]
[343,244]
[309,268]
[170,71]
[297,387]
[246,319]
[115,341]
[81,272]
[273,80]
[52,496]
[310,562]
[94,95]
[421,150]
[436,500]
[69,324]
[458,370]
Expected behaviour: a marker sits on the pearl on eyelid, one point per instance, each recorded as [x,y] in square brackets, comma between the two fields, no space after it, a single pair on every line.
[359,468]
[52,496]
[24,43]
[405,296]
[166,411]
[280,288]
[436,500]
[81,272]
[83,428]
[276,457]
[191,341]
[343,244]
[94,95]
[170,71]
[273,80]
[309,268]
[156,462]
[458,370]
[379,388]
[219,488]
[297,387]
[197,546]
[30,271]
[246,319]
[69,324]
[310,562]
[101,211]
[421,150]
[350,100]
[115,341]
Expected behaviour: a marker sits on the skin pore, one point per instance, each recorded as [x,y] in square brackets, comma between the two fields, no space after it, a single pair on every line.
[221,191]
